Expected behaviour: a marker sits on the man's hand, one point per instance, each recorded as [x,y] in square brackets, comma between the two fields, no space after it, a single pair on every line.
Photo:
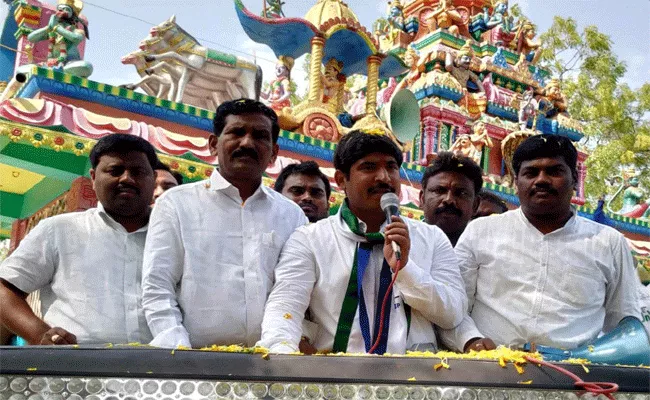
[306,347]
[397,232]
[58,336]
[478,344]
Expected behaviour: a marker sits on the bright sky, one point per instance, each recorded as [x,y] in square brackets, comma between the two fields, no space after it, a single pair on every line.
[215,24]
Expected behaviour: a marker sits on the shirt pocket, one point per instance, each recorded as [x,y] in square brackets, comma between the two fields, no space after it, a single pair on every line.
[581,287]
[270,246]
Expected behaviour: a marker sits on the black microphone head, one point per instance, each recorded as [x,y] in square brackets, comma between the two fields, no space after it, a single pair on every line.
[389,200]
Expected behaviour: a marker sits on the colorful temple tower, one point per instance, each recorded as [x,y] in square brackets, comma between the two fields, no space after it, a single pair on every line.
[435,75]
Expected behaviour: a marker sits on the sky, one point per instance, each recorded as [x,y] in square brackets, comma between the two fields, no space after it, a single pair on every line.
[215,24]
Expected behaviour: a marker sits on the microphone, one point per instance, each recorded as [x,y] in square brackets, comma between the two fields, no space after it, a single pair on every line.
[390,204]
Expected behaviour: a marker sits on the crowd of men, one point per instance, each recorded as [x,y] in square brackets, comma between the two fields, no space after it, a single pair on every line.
[230,261]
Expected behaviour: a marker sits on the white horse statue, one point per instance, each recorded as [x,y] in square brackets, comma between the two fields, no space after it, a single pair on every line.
[202,77]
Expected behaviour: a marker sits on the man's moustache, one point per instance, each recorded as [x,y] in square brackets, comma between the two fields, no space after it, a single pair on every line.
[121,188]
[546,189]
[450,209]
[245,152]
[381,189]
[304,204]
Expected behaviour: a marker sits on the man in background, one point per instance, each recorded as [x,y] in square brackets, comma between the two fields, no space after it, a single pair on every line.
[307,186]
[449,193]
[489,204]
[165,180]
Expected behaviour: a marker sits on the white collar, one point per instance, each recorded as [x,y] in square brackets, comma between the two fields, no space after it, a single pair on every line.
[108,220]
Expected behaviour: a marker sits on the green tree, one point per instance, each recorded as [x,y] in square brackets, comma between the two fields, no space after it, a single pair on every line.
[614,116]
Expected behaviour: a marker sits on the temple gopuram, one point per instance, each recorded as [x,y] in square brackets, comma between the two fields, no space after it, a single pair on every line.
[434,75]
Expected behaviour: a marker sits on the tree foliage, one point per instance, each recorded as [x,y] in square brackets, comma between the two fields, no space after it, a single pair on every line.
[615,116]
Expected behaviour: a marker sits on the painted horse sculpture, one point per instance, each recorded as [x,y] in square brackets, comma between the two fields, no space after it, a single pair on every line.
[201,77]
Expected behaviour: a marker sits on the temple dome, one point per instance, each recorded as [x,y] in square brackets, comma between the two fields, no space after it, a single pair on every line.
[325,10]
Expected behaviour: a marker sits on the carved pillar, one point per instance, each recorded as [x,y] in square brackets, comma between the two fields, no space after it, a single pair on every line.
[315,82]
[373,79]
[430,130]
[443,137]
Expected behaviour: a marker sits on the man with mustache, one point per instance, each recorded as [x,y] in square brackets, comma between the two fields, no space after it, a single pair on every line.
[541,273]
[213,245]
[449,193]
[87,265]
[307,186]
[340,268]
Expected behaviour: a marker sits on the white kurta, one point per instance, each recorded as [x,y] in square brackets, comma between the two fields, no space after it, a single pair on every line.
[209,262]
[314,271]
[561,289]
[88,269]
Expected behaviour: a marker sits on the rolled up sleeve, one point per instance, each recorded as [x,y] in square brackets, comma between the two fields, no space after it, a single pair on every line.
[33,264]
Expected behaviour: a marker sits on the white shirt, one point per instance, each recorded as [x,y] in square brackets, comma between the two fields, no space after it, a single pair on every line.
[314,271]
[559,289]
[88,269]
[209,262]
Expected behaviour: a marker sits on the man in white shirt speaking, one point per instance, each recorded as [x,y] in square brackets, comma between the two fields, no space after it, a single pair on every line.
[213,245]
[341,267]
[541,273]
[87,265]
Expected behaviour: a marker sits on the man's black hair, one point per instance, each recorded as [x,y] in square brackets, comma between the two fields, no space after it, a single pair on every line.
[122,143]
[308,168]
[178,177]
[245,106]
[358,144]
[546,146]
[450,162]
[164,167]
[494,199]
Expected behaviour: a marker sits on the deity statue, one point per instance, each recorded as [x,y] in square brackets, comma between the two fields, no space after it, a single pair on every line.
[273,9]
[633,205]
[396,15]
[332,83]
[499,23]
[472,145]
[527,108]
[555,102]
[279,92]
[525,42]
[458,66]
[64,32]
[446,16]
[416,68]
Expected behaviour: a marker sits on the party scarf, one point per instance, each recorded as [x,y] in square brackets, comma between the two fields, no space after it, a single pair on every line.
[354,294]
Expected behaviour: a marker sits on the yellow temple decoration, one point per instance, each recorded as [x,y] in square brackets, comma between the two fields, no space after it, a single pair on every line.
[325,10]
